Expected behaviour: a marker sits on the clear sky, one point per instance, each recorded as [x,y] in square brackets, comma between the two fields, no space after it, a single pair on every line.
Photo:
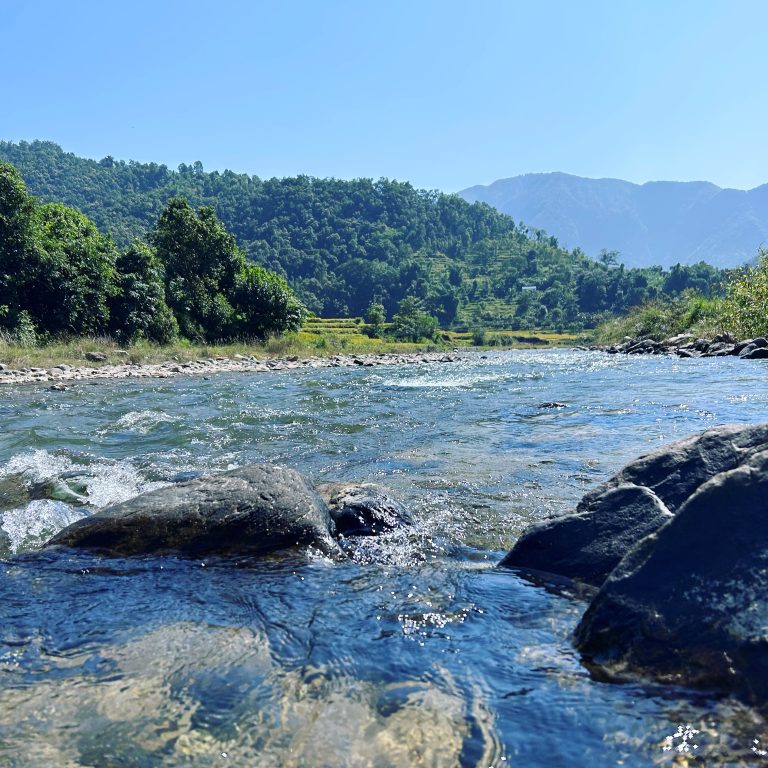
[442,93]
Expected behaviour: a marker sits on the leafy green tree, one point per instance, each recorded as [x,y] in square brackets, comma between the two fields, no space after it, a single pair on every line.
[375,316]
[71,277]
[138,308]
[16,242]
[202,265]
[411,323]
[266,304]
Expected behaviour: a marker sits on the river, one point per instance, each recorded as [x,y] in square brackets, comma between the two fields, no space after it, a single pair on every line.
[420,652]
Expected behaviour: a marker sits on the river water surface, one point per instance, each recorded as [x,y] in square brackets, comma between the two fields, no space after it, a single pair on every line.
[420,652]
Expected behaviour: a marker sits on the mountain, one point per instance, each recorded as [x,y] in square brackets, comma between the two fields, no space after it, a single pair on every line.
[658,223]
[343,245]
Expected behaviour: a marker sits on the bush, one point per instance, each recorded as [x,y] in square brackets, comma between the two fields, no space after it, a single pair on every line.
[745,307]
[410,323]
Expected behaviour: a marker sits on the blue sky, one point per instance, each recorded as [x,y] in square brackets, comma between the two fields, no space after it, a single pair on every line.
[444,94]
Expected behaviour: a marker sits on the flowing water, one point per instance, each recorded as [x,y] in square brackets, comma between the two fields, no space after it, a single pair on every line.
[418,652]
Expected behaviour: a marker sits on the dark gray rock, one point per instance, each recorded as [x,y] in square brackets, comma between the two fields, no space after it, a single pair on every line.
[631,505]
[720,349]
[553,404]
[754,353]
[675,471]
[587,546]
[363,510]
[689,603]
[95,357]
[252,510]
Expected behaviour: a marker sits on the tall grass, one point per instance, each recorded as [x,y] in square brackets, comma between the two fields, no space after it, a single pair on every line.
[688,313]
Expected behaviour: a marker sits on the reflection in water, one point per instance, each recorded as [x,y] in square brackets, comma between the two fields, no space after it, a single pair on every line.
[417,651]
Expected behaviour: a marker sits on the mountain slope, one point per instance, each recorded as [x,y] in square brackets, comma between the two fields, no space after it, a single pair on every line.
[345,244]
[661,222]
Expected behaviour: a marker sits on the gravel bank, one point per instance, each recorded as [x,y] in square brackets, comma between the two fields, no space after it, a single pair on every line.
[61,375]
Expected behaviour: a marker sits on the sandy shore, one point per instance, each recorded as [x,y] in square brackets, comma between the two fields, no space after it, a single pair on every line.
[61,375]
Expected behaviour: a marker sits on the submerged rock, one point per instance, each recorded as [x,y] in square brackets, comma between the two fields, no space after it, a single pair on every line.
[58,490]
[252,510]
[635,502]
[363,510]
[5,541]
[13,491]
[689,604]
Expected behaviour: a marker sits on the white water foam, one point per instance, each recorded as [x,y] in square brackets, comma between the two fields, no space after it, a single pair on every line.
[142,422]
[29,527]
[106,482]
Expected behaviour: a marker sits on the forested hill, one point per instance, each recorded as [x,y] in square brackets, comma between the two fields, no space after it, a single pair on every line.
[342,244]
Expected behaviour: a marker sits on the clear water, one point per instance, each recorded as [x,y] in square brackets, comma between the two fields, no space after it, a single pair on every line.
[420,652]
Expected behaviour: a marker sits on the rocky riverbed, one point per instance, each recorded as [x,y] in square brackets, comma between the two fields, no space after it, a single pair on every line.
[62,374]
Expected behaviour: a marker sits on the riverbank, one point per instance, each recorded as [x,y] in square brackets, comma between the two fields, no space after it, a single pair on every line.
[688,345]
[62,374]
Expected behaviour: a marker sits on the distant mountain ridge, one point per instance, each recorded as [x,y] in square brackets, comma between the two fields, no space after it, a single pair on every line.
[657,223]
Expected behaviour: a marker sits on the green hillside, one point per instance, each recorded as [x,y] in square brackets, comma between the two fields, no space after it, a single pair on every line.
[343,244]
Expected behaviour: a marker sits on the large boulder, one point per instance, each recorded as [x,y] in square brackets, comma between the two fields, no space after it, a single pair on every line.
[632,504]
[689,603]
[363,510]
[675,471]
[252,510]
[587,546]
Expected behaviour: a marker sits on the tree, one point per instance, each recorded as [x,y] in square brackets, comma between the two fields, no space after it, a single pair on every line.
[375,316]
[410,323]
[265,304]
[202,266]
[138,308]
[16,242]
[71,276]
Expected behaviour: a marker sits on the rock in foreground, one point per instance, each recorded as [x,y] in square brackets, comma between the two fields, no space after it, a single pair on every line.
[689,604]
[587,546]
[252,510]
[634,503]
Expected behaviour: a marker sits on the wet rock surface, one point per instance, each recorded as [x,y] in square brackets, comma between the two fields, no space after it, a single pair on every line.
[366,509]
[587,546]
[62,374]
[674,471]
[677,543]
[689,603]
[632,504]
[252,510]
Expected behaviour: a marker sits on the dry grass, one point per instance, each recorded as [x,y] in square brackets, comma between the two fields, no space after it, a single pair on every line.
[318,338]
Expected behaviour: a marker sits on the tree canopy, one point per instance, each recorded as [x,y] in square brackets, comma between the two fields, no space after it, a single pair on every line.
[343,244]
[60,276]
